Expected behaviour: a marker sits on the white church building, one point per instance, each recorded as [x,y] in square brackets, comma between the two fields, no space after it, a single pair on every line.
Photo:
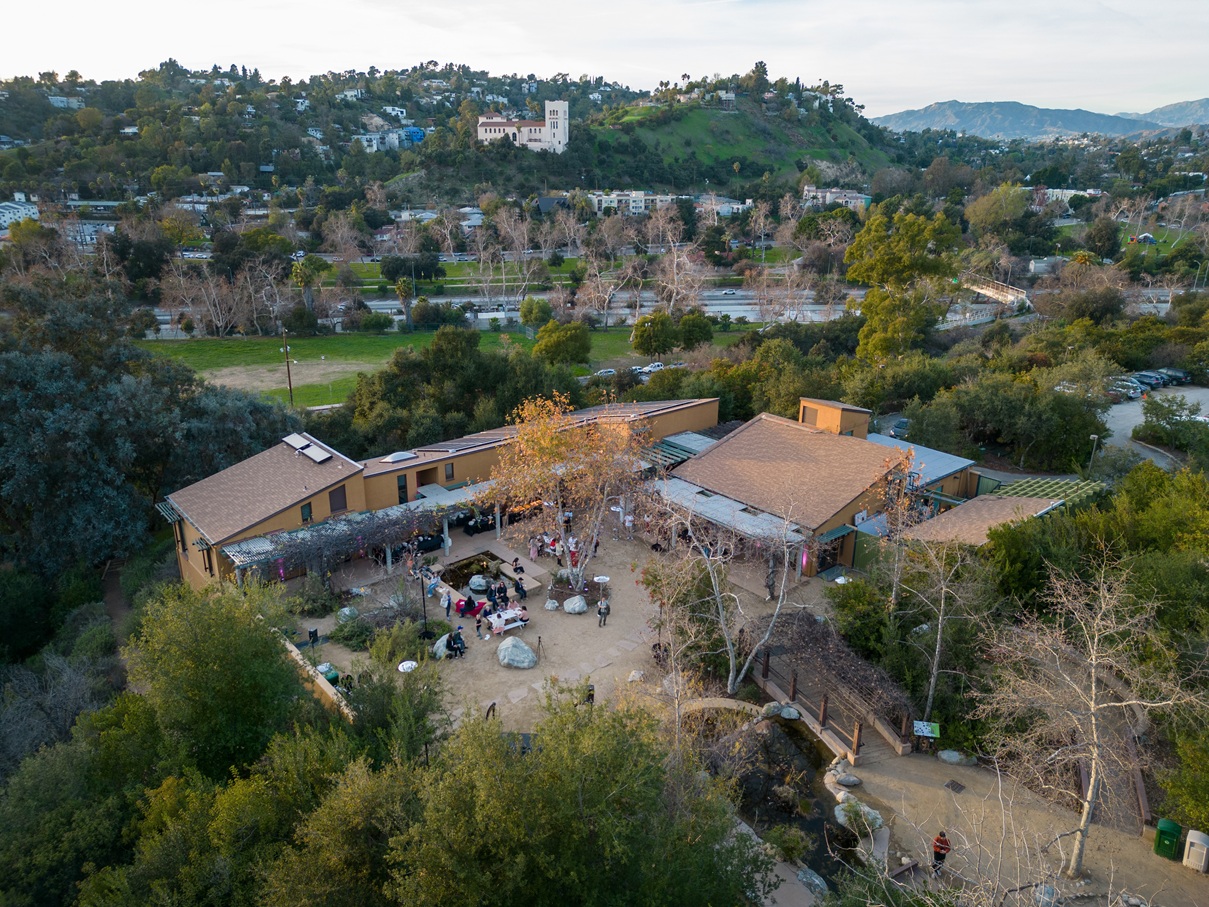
[551,134]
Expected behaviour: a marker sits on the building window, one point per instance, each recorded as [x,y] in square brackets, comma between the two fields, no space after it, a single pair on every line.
[402,489]
[208,560]
[306,513]
[337,499]
[448,472]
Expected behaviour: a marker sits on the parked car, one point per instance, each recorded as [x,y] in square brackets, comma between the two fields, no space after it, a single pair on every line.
[900,429]
[1176,375]
[653,367]
[1149,380]
[637,369]
[606,373]
[1158,374]
[1130,389]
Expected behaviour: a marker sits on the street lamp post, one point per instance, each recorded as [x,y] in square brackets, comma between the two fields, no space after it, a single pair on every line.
[1095,439]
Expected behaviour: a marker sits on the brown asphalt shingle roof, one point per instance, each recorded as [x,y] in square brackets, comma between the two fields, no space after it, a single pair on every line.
[969,522]
[788,469]
[251,491]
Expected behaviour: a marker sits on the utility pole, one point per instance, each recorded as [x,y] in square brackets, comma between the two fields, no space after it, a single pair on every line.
[285,348]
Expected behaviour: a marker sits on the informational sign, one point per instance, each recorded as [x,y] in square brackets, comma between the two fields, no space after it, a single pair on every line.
[927,729]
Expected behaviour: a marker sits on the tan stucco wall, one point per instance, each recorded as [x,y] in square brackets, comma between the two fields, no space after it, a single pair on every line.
[834,419]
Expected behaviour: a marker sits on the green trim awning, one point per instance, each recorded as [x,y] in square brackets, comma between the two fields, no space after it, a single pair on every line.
[832,534]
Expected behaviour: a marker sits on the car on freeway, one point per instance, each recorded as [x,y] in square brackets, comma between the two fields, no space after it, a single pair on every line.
[728,292]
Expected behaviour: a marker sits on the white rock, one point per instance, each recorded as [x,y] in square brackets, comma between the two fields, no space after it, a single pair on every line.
[789,713]
[513,653]
[848,780]
[576,604]
[635,677]
[552,604]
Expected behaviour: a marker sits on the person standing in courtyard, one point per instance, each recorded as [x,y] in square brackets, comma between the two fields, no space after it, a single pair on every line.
[940,850]
[602,612]
[447,602]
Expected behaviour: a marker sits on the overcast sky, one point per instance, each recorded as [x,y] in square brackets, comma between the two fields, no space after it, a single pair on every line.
[889,55]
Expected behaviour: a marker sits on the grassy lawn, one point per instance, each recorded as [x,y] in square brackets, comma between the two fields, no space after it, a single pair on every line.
[209,354]
[206,354]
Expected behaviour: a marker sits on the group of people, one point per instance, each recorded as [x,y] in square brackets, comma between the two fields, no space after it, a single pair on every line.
[553,544]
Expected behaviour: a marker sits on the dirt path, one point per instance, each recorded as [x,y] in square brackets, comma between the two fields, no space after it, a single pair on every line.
[1001,831]
[116,604]
[270,377]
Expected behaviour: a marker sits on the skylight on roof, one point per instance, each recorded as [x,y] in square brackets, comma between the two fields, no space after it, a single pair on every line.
[296,441]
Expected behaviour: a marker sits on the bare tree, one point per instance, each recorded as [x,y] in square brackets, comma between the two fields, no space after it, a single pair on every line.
[707,551]
[1072,690]
[942,583]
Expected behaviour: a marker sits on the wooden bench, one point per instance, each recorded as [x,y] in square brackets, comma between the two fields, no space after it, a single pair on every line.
[902,870]
[506,627]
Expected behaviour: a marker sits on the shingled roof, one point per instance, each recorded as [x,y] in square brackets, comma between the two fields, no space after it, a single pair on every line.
[785,468]
[971,521]
[246,494]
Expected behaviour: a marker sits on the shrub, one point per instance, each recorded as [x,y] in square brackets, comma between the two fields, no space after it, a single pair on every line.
[789,842]
[355,634]
[860,617]
[314,598]
[398,642]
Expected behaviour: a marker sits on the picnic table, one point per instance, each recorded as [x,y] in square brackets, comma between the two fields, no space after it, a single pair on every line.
[503,621]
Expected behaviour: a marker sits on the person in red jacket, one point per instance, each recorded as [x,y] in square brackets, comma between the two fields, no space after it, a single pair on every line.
[940,850]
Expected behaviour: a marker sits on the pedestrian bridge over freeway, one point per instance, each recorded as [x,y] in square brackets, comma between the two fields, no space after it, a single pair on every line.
[1001,292]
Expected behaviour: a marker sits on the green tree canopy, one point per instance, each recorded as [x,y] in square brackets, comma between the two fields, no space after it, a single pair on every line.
[566,343]
[655,334]
[215,673]
[593,813]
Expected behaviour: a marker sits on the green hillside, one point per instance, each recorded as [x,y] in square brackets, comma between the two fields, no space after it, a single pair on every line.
[759,142]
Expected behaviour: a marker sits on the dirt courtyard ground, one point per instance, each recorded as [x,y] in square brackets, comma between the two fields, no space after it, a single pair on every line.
[998,829]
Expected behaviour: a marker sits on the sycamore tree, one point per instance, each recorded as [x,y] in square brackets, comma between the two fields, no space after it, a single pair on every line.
[558,464]
[690,585]
[1077,685]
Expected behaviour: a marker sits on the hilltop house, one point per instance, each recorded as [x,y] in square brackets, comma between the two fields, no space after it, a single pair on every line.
[552,134]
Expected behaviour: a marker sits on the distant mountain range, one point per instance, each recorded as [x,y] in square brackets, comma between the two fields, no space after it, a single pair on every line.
[1184,113]
[1013,120]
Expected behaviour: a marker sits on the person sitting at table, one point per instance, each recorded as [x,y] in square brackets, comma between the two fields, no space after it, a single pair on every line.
[523,615]
[501,593]
[457,645]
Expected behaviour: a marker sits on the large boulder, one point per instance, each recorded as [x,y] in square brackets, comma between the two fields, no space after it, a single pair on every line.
[552,604]
[952,757]
[479,583]
[576,604]
[789,713]
[857,817]
[813,881]
[513,653]
[848,780]
[440,648]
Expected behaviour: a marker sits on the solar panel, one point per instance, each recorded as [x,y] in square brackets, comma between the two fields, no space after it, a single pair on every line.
[296,441]
[318,454]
